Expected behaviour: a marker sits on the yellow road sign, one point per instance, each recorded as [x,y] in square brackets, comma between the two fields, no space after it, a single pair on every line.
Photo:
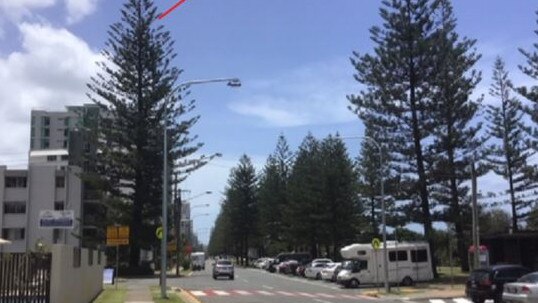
[117,235]
[159,232]
[376,243]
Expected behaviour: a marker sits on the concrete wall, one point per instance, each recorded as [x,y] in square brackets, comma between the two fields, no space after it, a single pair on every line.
[75,284]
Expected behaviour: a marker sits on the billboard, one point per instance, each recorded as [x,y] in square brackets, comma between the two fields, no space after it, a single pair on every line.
[63,219]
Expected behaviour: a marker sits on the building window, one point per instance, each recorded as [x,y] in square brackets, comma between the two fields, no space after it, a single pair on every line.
[65,157]
[418,256]
[45,121]
[13,234]
[66,132]
[15,207]
[60,182]
[45,132]
[45,143]
[66,121]
[65,143]
[59,205]
[32,132]
[51,158]
[33,120]
[31,143]
[12,182]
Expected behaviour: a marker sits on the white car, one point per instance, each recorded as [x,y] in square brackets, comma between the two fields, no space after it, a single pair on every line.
[313,270]
[327,273]
[525,290]
[322,260]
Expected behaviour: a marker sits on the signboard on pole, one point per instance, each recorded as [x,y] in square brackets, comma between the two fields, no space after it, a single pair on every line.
[117,235]
[376,243]
[61,219]
[159,232]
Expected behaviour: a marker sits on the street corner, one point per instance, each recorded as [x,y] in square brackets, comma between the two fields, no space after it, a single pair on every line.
[185,295]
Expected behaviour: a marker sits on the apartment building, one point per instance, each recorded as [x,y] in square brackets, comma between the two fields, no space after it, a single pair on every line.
[24,194]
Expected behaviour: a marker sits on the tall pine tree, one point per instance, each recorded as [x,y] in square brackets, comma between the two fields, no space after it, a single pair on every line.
[510,154]
[456,137]
[397,93]
[136,91]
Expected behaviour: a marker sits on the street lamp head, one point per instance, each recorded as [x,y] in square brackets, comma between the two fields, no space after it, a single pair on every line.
[234,82]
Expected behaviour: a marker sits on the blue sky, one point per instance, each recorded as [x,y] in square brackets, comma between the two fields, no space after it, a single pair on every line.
[292,57]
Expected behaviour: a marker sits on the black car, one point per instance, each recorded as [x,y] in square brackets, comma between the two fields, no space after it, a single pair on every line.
[487,283]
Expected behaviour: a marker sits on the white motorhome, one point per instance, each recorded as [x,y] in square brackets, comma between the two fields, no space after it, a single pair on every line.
[198,260]
[408,262]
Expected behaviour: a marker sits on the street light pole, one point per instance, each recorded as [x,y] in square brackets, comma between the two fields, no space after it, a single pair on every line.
[232,82]
[383,208]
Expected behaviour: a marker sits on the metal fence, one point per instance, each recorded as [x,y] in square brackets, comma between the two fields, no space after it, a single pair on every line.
[25,277]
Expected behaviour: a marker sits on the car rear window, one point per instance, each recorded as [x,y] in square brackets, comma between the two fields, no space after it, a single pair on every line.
[224,263]
[479,275]
[530,278]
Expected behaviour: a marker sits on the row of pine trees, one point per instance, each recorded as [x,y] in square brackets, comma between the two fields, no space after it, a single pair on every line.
[417,98]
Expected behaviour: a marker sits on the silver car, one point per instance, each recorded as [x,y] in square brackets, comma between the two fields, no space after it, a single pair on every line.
[223,268]
[524,290]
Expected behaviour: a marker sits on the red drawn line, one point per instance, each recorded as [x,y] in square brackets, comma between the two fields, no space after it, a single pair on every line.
[171,9]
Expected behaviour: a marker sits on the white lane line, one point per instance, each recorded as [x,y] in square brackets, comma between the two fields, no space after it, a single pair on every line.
[265,293]
[245,281]
[322,301]
[300,280]
[348,296]
[326,295]
[285,293]
[243,292]
[461,300]
[436,301]
[221,293]
[268,287]
[198,293]
[304,294]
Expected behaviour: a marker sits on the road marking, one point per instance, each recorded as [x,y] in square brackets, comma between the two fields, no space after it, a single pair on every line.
[198,293]
[306,294]
[268,287]
[436,301]
[265,293]
[348,296]
[326,295]
[243,292]
[322,301]
[221,293]
[245,281]
[461,300]
[285,293]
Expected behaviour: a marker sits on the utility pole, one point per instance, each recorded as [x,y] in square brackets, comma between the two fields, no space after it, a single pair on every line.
[178,230]
[475,235]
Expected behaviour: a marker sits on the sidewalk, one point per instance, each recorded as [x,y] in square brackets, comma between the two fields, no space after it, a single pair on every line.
[421,291]
[138,294]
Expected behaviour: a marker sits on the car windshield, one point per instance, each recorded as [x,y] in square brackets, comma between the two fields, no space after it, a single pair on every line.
[224,263]
[530,278]
[479,275]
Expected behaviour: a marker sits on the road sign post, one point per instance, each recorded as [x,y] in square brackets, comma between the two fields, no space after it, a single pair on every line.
[117,235]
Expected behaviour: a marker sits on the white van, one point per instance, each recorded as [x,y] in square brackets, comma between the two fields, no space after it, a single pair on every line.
[198,260]
[408,262]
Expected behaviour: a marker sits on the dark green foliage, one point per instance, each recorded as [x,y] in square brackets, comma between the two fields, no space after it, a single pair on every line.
[456,136]
[531,93]
[273,198]
[136,91]
[397,96]
[510,153]
[494,221]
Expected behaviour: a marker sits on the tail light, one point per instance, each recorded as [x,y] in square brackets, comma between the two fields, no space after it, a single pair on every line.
[525,290]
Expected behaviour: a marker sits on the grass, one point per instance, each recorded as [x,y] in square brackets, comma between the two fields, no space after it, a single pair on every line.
[111,295]
[172,296]
[444,275]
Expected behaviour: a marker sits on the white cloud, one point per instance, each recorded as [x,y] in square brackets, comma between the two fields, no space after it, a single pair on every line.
[16,9]
[78,9]
[310,95]
[50,71]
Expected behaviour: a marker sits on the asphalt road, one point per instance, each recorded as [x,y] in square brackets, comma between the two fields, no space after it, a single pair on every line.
[257,286]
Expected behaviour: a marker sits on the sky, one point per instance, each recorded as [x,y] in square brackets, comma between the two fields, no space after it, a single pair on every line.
[292,57]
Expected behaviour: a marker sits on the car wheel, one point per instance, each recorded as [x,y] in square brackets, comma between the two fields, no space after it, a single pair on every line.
[214,277]
[318,276]
[478,300]
[407,281]
[231,277]
[354,283]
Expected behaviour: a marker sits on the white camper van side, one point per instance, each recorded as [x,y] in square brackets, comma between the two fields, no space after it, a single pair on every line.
[408,262]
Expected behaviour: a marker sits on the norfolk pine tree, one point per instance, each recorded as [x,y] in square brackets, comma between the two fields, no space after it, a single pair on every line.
[456,137]
[510,155]
[397,92]
[135,79]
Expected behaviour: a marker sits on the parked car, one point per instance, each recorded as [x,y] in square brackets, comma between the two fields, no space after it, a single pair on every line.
[524,290]
[266,263]
[300,270]
[488,283]
[322,260]
[327,273]
[287,267]
[259,262]
[223,268]
[313,270]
